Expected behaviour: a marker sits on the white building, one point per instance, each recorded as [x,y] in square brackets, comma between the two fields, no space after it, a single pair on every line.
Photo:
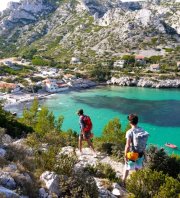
[54,86]
[119,63]
[154,67]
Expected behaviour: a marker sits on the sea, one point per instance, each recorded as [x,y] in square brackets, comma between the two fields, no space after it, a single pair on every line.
[158,110]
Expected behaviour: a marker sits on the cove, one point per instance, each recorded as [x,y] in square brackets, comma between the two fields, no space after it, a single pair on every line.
[158,110]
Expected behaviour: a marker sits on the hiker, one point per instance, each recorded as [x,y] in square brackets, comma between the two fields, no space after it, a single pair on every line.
[85,126]
[136,140]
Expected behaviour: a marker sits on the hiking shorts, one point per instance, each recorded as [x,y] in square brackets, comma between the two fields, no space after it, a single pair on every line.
[87,135]
[138,164]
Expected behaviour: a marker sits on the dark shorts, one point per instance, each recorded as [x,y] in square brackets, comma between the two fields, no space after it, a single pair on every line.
[87,135]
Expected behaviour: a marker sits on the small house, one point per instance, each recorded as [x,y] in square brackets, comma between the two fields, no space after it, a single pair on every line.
[140,59]
[10,86]
[54,86]
[154,67]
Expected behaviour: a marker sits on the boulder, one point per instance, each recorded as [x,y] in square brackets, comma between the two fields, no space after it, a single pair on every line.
[51,181]
[2,152]
[6,139]
[7,181]
[4,192]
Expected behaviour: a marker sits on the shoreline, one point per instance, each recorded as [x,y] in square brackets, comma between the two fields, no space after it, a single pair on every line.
[21,99]
[144,82]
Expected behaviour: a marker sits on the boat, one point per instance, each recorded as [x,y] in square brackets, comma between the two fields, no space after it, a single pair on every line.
[171,145]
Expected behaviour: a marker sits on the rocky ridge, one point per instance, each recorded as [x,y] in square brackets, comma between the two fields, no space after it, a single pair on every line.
[91,27]
[13,179]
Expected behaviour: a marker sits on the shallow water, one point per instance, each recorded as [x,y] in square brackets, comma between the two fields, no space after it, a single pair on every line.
[158,110]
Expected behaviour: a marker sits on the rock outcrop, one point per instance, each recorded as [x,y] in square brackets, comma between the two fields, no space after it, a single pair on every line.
[14,179]
[144,82]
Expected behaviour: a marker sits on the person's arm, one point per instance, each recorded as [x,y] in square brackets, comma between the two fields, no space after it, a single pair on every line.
[127,147]
[81,125]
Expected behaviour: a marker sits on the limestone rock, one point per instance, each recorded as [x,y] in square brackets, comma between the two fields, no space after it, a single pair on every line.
[108,26]
[4,192]
[6,139]
[2,152]
[7,181]
[145,82]
[51,181]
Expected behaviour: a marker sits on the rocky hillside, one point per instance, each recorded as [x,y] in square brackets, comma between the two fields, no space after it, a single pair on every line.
[90,29]
[17,182]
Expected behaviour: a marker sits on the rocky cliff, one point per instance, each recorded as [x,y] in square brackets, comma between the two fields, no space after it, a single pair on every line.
[90,28]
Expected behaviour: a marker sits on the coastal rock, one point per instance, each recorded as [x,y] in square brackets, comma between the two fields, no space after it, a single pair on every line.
[43,193]
[104,193]
[21,144]
[67,150]
[7,181]
[144,82]
[2,152]
[51,181]
[4,192]
[116,189]
[6,139]
[10,168]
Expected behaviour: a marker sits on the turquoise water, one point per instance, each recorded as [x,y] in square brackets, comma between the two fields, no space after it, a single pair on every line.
[158,110]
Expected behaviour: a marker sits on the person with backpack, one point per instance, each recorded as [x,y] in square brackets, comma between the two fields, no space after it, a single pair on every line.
[86,127]
[136,141]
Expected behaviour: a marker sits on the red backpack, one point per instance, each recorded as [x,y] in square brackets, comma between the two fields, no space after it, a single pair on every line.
[87,123]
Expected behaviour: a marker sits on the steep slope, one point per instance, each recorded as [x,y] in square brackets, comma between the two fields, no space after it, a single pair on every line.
[91,29]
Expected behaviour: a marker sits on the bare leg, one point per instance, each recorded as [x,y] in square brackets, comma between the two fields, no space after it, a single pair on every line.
[125,174]
[91,145]
[80,143]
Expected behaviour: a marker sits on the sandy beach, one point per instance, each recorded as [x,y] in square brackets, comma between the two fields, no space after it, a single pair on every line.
[20,99]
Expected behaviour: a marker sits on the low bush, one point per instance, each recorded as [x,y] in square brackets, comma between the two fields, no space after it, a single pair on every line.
[79,184]
[51,160]
[13,127]
[152,184]
[2,132]
[102,171]
[159,160]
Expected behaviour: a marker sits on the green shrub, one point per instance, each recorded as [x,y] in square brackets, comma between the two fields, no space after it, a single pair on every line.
[80,184]
[2,132]
[171,189]
[102,170]
[158,159]
[112,140]
[13,127]
[52,161]
[152,184]
[145,183]
[65,164]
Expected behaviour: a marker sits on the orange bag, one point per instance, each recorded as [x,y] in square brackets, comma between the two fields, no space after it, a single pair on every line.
[133,156]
